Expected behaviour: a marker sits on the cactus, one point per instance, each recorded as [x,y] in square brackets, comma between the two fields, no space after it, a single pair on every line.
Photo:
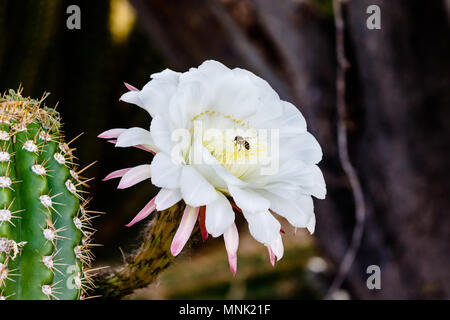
[45,227]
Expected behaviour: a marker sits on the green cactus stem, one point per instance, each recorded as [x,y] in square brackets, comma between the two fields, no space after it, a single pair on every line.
[44,222]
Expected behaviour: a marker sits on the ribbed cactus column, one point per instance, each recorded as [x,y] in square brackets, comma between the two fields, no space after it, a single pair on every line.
[44,225]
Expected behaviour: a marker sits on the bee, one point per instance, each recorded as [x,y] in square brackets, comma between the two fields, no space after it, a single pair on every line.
[241,142]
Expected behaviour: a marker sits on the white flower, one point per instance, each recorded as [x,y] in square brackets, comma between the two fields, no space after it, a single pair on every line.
[224,142]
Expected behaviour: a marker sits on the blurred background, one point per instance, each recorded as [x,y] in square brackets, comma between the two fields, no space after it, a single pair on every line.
[398,99]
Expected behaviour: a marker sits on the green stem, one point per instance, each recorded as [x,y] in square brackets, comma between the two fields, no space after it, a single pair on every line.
[152,257]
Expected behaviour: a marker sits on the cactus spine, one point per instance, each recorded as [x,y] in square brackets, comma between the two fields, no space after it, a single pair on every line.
[44,224]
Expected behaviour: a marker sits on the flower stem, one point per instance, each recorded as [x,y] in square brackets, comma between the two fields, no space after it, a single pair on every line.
[150,259]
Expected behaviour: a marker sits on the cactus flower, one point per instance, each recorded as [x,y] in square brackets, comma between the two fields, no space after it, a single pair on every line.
[224,143]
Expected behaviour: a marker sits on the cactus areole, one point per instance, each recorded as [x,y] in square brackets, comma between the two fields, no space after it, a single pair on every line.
[44,224]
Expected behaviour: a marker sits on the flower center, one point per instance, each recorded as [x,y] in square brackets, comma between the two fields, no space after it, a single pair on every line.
[231,141]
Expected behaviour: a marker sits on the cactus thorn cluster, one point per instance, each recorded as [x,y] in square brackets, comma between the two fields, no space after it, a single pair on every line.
[45,223]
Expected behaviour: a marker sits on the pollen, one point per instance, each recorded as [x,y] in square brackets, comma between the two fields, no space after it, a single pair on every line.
[233,154]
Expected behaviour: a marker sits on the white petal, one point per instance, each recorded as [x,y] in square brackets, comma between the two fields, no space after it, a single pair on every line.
[161,134]
[165,174]
[196,191]
[184,231]
[297,211]
[116,174]
[219,216]
[132,97]
[277,247]
[111,134]
[134,176]
[292,121]
[231,239]
[311,224]
[156,95]
[167,198]
[263,226]
[303,147]
[317,188]
[232,92]
[135,137]
[167,75]
[190,99]
[213,68]
[248,200]
[212,170]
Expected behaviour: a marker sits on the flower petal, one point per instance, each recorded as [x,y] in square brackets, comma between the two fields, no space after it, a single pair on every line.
[271,256]
[213,170]
[144,213]
[161,134]
[135,137]
[302,147]
[297,211]
[165,174]
[156,94]
[248,200]
[319,190]
[132,97]
[292,121]
[184,231]
[311,224]
[231,239]
[196,191]
[134,176]
[263,226]
[130,87]
[201,222]
[167,198]
[277,247]
[112,133]
[116,174]
[219,216]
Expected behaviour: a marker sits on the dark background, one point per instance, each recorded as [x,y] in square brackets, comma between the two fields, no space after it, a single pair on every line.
[398,96]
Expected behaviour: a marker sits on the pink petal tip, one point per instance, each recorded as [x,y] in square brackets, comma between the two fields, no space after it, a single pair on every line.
[232,260]
[116,174]
[130,87]
[184,231]
[144,213]
[109,134]
[271,256]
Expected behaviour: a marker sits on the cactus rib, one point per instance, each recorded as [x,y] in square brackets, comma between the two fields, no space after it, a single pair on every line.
[44,225]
